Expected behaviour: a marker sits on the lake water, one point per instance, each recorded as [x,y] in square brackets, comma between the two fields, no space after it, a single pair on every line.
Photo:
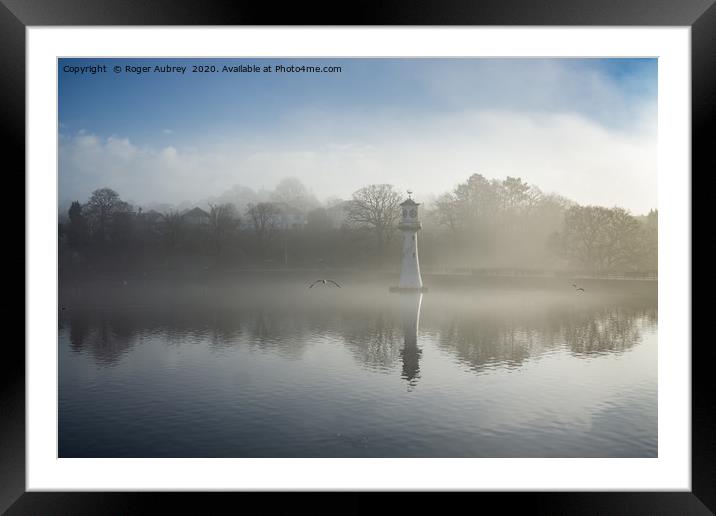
[266,367]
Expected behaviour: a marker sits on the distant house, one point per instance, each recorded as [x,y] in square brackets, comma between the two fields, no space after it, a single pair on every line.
[196,217]
[152,216]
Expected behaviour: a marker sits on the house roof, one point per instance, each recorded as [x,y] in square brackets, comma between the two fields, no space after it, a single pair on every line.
[409,202]
[196,212]
[153,214]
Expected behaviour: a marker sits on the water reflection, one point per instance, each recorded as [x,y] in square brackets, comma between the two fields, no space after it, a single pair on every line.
[372,336]
[381,335]
[105,337]
[614,330]
[484,340]
[410,310]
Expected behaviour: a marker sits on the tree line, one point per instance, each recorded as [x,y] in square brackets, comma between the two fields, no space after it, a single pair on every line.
[481,223]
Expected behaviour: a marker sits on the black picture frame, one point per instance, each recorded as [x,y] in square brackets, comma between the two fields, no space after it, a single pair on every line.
[16,15]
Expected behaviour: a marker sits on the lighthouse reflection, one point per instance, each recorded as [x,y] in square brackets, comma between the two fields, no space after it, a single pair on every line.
[410,310]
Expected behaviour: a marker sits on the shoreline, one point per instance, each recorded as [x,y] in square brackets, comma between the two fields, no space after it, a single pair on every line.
[198,272]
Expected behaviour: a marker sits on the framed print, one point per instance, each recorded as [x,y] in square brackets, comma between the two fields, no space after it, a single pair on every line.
[396,256]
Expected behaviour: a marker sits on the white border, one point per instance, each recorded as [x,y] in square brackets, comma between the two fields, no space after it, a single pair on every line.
[671,470]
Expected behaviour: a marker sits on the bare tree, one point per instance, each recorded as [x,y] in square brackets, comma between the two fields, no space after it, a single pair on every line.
[173,227]
[264,218]
[222,224]
[447,213]
[377,207]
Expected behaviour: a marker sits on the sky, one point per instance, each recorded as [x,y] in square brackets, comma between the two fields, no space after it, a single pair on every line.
[583,128]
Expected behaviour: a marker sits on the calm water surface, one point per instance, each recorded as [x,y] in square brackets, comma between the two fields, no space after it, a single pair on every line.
[269,368]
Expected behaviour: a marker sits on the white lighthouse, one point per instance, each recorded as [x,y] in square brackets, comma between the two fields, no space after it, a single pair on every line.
[410,225]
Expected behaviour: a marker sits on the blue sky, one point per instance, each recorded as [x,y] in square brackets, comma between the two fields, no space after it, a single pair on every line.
[424,124]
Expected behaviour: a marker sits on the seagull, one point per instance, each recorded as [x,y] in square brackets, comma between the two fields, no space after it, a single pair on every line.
[576,288]
[325,282]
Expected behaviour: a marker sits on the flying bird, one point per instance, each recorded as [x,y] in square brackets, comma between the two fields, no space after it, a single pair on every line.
[324,282]
[580,289]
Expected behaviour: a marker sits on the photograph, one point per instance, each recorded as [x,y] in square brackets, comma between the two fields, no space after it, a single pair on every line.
[385,257]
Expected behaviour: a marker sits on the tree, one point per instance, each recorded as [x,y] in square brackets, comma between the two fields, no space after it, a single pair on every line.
[238,195]
[101,208]
[123,229]
[625,241]
[77,231]
[264,219]
[600,238]
[222,224]
[477,199]
[583,235]
[376,207]
[651,240]
[293,193]
[514,193]
[173,229]
[447,212]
